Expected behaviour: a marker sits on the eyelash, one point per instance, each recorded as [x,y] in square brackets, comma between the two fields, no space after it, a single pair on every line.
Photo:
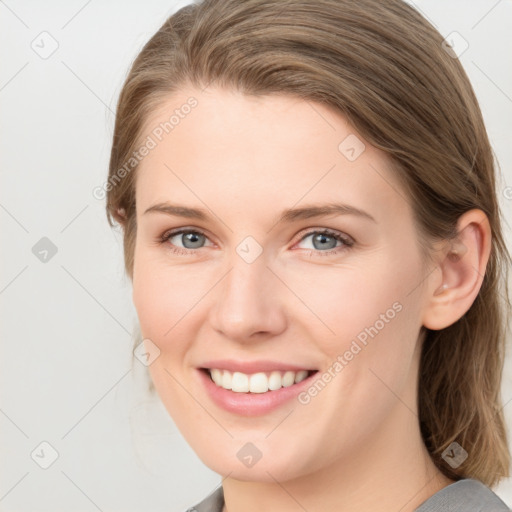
[347,241]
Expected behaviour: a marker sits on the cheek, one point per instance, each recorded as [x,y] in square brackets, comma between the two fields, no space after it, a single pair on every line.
[162,295]
[367,320]
[151,301]
[164,299]
[345,301]
[376,321]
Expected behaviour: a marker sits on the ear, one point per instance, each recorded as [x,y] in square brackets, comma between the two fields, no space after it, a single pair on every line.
[120,216]
[462,262]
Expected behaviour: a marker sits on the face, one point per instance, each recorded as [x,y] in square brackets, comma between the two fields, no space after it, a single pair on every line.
[241,266]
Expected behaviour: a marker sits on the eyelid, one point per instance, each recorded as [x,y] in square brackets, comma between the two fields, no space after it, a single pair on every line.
[347,240]
[166,235]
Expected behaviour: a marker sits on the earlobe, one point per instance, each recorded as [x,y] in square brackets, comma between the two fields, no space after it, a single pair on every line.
[462,263]
[120,216]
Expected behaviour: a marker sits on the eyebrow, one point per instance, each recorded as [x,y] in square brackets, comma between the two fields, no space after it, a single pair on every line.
[288,215]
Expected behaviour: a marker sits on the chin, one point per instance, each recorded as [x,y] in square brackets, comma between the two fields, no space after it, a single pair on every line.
[269,468]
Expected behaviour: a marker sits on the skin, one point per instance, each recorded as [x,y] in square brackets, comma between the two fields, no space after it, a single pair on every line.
[357,444]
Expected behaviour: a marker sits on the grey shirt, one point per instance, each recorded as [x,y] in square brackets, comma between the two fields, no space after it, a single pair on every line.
[466,495]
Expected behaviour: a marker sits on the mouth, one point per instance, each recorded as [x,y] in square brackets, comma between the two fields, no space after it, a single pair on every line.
[260,382]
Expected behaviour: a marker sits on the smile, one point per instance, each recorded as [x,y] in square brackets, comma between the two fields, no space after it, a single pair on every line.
[260,382]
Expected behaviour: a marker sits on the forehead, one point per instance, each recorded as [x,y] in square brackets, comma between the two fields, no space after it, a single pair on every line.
[253,151]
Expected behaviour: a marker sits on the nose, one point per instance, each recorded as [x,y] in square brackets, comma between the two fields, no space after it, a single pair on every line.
[249,302]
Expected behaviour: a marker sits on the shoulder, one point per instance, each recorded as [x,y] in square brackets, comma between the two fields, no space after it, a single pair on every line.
[214,502]
[466,495]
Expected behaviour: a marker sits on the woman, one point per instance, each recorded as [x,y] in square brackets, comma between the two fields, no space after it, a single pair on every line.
[311,227]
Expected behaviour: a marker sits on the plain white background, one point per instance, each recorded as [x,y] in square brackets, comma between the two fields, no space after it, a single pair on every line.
[68,321]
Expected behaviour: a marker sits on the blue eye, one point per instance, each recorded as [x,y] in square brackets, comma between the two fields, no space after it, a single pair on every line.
[324,241]
[189,239]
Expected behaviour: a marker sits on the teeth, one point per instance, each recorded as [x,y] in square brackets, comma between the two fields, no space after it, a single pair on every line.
[257,382]
[240,382]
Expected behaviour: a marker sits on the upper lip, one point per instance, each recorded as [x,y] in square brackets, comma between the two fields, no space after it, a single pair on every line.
[250,367]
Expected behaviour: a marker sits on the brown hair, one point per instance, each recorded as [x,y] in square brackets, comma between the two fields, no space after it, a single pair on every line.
[383,66]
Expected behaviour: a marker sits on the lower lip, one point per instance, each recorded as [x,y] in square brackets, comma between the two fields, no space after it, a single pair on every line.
[251,404]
